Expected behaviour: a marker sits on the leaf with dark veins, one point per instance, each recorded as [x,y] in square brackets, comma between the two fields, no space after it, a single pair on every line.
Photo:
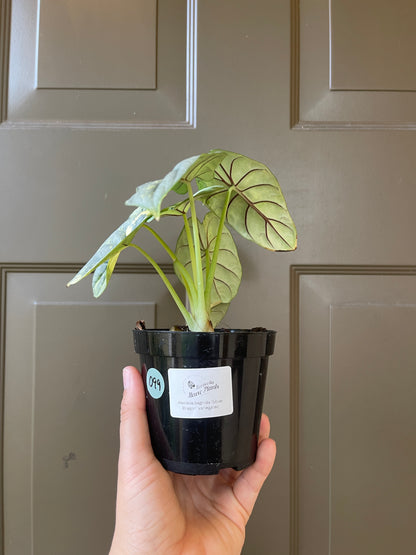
[257,208]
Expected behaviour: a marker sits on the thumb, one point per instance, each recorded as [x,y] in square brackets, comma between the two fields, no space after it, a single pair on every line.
[137,466]
[135,445]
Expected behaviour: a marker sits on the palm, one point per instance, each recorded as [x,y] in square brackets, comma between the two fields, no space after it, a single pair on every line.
[215,519]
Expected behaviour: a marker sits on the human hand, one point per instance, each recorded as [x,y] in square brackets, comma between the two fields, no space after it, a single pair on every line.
[160,512]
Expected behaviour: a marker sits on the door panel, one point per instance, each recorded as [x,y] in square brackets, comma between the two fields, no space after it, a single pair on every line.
[84,64]
[63,358]
[352,64]
[278,81]
[375,60]
[353,409]
[89,45]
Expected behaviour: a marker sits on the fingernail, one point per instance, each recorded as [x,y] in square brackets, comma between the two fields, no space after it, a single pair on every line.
[126,378]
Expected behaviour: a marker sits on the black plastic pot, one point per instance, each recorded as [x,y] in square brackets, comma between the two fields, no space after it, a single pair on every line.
[204,395]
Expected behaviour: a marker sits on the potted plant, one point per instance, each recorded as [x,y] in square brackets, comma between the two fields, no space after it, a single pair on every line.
[204,385]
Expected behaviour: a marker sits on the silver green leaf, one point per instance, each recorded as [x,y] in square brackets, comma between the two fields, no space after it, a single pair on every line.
[257,208]
[102,275]
[227,276]
[218,312]
[206,164]
[118,240]
[150,195]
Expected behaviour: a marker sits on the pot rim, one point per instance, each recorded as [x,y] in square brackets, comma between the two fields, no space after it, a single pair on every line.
[217,331]
[236,343]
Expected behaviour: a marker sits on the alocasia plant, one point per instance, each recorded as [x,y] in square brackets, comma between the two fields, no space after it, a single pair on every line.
[238,192]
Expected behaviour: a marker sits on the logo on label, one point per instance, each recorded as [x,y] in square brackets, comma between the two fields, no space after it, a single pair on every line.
[155,383]
[198,387]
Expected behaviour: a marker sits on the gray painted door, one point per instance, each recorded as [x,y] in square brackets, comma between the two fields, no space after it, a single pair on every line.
[97,99]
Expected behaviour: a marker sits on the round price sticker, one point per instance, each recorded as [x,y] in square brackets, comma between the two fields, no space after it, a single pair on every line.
[155,383]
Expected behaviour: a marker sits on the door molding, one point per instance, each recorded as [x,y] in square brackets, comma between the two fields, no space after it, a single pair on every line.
[385,119]
[5,15]
[296,273]
[6,269]
[189,99]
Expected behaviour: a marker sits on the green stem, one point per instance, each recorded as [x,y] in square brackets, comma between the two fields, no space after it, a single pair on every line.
[188,318]
[199,277]
[190,246]
[213,264]
[189,285]
[161,241]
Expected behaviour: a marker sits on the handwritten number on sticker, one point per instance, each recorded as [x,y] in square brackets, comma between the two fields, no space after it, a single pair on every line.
[154,383]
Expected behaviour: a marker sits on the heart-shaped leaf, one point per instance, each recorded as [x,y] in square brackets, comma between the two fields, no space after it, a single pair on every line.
[257,209]
[150,195]
[227,276]
[118,240]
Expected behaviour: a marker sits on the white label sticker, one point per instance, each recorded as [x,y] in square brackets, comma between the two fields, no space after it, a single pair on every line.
[200,392]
